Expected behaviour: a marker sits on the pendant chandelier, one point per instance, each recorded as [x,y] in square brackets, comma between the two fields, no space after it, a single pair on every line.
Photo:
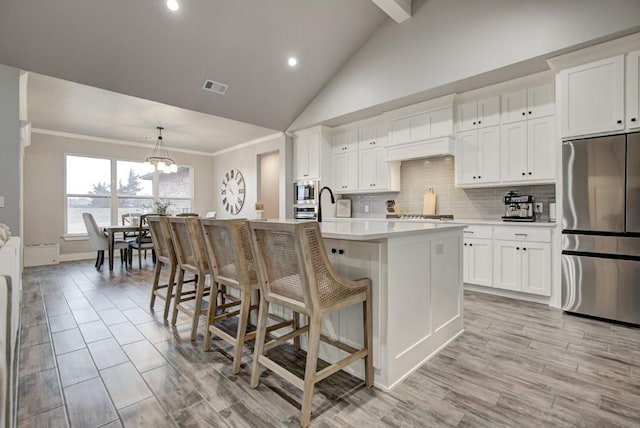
[160,157]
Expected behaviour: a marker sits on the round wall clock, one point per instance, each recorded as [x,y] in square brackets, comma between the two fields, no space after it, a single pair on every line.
[233,191]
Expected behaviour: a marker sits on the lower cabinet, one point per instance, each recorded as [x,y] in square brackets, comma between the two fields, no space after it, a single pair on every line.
[508,258]
[477,261]
[354,260]
[522,260]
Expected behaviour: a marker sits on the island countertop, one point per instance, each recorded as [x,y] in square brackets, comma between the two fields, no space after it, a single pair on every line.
[359,230]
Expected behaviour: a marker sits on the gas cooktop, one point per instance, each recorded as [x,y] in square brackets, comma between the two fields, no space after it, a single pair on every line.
[421,216]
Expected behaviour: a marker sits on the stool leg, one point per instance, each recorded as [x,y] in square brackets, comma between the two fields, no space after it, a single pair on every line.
[213,305]
[174,317]
[170,285]
[263,314]
[243,321]
[313,347]
[296,325]
[156,284]
[198,307]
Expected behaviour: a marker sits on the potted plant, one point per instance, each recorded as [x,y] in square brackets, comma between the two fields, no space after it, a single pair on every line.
[161,206]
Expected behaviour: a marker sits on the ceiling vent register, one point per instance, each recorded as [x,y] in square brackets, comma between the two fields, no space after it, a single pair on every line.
[215,87]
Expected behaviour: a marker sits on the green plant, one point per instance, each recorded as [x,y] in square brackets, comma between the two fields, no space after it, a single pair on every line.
[160,207]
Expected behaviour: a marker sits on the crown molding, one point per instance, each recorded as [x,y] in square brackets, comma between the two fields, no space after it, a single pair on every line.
[248,143]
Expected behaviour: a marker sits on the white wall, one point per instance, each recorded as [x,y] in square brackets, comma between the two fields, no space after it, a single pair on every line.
[10,148]
[270,184]
[246,159]
[448,41]
[44,184]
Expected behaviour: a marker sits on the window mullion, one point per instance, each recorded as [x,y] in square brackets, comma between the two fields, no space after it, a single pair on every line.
[114,192]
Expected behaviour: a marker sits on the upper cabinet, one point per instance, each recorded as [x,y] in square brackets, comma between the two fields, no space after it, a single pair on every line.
[420,127]
[633,90]
[479,114]
[529,103]
[592,97]
[311,154]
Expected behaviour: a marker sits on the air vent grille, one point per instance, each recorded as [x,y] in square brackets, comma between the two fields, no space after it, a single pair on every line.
[216,87]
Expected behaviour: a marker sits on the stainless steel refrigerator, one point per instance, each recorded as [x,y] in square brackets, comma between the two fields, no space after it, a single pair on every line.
[601,227]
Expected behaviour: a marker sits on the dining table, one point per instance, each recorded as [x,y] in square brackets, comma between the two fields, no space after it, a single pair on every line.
[111,232]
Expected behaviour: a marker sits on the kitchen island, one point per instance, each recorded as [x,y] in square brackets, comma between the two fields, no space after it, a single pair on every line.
[416,275]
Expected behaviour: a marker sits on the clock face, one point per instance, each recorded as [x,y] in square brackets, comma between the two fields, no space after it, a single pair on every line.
[233,191]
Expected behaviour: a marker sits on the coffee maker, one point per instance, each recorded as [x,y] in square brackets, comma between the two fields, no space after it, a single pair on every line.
[518,207]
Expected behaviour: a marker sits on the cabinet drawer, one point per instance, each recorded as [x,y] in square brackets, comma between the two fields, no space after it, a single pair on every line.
[477,231]
[522,234]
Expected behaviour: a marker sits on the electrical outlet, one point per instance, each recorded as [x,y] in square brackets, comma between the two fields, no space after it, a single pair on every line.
[539,207]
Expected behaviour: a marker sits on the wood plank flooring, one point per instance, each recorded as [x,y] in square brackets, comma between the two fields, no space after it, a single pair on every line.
[93,355]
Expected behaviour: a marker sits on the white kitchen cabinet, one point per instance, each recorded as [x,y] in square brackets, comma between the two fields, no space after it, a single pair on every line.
[592,97]
[477,256]
[420,127]
[344,141]
[529,103]
[312,154]
[354,260]
[527,152]
[376,174]
[479,114]
[345,172]
[478,157]
[633,90]
[372,136]
[522,260]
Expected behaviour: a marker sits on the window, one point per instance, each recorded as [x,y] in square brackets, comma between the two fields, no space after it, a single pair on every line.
[108,188]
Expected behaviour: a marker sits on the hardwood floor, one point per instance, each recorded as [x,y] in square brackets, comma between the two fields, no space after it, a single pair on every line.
[93,354]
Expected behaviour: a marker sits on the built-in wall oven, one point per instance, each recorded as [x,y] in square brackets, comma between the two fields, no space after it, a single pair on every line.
[601,227]
[305,199]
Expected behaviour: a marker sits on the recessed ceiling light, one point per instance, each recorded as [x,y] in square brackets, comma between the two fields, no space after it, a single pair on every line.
[173,5]
[292,62]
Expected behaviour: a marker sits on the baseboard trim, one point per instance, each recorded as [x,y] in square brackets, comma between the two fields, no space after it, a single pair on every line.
[73,257]
[506,293]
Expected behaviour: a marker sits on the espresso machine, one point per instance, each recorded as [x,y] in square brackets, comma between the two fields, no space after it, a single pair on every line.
[518,207]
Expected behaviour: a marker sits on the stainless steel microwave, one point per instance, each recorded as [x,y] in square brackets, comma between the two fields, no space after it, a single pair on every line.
[305,192]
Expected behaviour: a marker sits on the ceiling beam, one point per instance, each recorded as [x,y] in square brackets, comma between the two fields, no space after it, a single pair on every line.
[399,10]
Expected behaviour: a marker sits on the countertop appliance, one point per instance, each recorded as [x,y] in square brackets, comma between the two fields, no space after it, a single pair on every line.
[305,199]
[601,227]
[518,207]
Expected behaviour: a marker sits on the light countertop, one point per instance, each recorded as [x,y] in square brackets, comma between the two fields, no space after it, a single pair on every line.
[364,230]
[456,221]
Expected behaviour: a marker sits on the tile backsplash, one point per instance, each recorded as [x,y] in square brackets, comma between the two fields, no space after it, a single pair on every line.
[418,175]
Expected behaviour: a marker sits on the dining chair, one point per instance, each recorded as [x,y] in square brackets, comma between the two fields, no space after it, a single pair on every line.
[100,242]
[165,257]
[295,272]
[129,219]
[190,251]
[231,260]
[142,242]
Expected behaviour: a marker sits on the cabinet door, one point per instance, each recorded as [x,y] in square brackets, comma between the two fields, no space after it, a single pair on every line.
[399,132]
[467,116]
[466,262]
[480,255]
[466,159]
[540,101]
[301,157]
[367,169]
[340,172]
[489,155]
[489,112]
[633,90]
[344,140]
[507,265]
[441,122]
[351,176]
[513,145]
[381,169]
[592,97]
[540,149]
[314,159]
[536,268]
[514,106]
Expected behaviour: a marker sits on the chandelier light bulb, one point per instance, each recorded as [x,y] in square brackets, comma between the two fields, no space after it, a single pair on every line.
[173,5]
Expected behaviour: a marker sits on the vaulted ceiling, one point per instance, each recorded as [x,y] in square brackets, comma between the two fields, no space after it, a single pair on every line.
[141,49]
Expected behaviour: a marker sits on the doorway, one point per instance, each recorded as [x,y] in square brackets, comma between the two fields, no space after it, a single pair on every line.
[269,188]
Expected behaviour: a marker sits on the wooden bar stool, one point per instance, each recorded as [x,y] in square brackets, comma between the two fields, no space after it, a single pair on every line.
[294,271]
[165,257]
[232,264]
[190,252]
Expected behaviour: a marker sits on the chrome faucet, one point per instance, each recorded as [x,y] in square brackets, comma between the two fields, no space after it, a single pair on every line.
[333,201]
